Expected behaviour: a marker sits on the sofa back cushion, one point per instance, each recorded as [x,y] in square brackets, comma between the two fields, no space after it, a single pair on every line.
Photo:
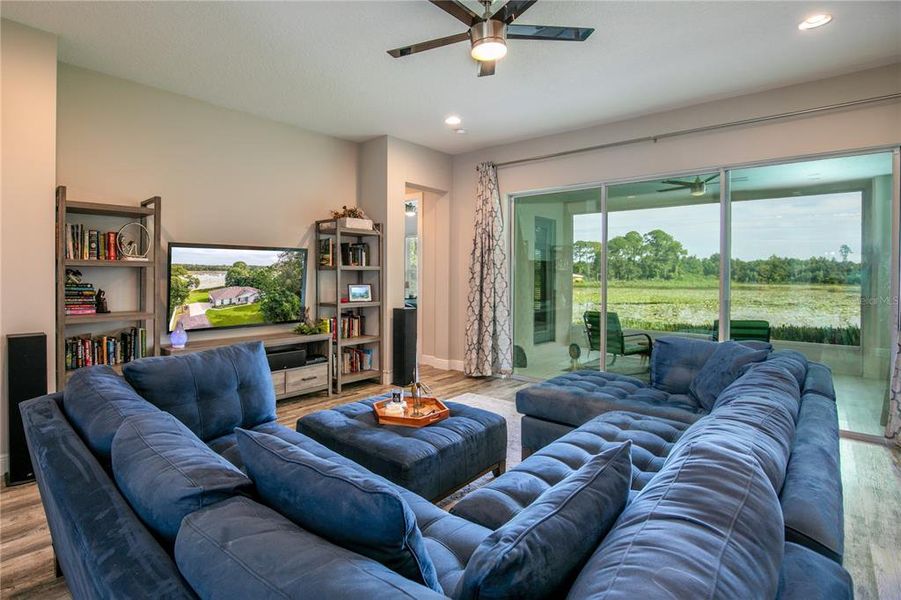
[676,360]
[165,472]
[707,526]
[96,402]
[539,552]
[792,361]
[211,392]
[348,506]
[722,367]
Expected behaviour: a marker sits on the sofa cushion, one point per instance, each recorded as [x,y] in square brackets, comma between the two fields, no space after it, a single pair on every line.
[652,438]
[791,360]
[812,493]
[96,402]
[707,526]
[241,549]
[540,551]
[768,381]
[349,507]
[211,392]
[577,397]
[806,575]
[723,367]
[449,540]
[165,472]
[676,360]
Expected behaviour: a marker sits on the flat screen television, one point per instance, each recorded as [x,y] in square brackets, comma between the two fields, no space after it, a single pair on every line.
[220,286]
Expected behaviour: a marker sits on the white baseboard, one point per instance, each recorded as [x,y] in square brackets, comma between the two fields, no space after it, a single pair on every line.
[445,364]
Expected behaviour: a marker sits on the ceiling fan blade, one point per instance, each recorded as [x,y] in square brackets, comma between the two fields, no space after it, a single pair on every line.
[672,189]
[457,10]
[512,10]
[548,32]
[676,182]
[429,45]
[486,67]
[711,178]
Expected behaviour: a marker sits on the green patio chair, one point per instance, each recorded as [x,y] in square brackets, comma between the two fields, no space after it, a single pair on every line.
[744,330]
[618,343]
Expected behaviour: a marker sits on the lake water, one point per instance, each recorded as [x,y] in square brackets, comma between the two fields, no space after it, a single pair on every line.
[210,279]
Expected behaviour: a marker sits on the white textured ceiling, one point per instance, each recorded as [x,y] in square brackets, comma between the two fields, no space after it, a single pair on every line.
[322,65]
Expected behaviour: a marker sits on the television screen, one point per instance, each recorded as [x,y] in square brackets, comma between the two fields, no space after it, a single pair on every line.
[214,287]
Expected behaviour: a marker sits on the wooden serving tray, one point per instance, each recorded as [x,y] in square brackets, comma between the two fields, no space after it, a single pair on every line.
[433,410]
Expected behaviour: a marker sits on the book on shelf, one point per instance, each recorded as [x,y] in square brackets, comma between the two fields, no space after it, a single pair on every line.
[354,360]
[90,244]
[327,252]
[109,349]
[355,255]
[351,326]
[80,299]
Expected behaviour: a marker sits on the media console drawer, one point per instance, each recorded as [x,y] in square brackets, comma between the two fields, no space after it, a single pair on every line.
[304,378]
[278,382]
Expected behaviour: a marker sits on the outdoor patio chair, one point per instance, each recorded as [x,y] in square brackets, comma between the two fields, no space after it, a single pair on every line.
[618,343]
[743,330]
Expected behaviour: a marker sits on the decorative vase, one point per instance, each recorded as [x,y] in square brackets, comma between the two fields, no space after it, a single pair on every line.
[179,337]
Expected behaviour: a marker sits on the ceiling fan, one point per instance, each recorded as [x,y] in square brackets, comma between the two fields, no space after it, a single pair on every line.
[698,187]
[488,34]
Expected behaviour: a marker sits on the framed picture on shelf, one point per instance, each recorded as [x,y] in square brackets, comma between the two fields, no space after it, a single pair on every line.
[326,252]
[359,292]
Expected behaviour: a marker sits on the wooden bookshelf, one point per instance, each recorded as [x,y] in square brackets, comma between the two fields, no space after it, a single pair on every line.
[149,293]
[332,281]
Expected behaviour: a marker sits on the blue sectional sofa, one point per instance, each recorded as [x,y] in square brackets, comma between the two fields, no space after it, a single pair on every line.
[150,492]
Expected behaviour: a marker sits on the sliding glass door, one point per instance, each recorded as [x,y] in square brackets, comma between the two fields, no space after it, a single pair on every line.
[556,255]
[662,265]
[810,260]
[810,251]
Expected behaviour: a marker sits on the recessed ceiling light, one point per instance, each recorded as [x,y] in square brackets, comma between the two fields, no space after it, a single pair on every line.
[453,120]
[814,21]
[460,130]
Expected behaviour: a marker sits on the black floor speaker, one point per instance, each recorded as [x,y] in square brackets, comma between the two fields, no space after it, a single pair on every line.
[404,351]
[26,375]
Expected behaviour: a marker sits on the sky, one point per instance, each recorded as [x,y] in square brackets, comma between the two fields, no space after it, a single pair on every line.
[223,256]
[796,227]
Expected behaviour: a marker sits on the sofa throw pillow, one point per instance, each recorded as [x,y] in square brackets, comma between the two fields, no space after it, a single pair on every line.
[539,552]
[97,400]
[348,506]
[722,368]
[165,472]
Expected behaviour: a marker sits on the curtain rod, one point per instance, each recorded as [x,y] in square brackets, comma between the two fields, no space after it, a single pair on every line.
[705,128]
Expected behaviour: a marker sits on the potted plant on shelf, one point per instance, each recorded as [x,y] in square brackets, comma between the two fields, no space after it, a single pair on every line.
[352,218]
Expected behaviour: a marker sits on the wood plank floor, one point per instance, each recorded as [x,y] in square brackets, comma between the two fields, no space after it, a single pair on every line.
[871,475]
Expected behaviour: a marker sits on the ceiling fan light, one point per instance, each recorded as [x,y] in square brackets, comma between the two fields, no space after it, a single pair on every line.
[489,40]
[489,50]
[698,192]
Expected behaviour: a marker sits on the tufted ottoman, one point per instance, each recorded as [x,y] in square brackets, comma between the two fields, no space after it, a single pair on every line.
[652,439]
[432,461]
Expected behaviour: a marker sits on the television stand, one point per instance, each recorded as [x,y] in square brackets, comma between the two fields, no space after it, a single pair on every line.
[290,381]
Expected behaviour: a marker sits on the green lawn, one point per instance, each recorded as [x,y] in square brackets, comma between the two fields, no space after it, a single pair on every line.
[801,312]
[248,314]
[198,296]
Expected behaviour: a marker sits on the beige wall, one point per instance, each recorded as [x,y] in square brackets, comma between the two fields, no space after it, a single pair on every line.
[27,297]
[869,126]
[388,167]
[224,176]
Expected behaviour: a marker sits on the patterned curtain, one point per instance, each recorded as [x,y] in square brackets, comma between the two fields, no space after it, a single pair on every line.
[488,329]
[893,429]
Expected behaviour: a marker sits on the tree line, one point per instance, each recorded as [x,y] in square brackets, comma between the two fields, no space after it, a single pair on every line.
[658,255]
